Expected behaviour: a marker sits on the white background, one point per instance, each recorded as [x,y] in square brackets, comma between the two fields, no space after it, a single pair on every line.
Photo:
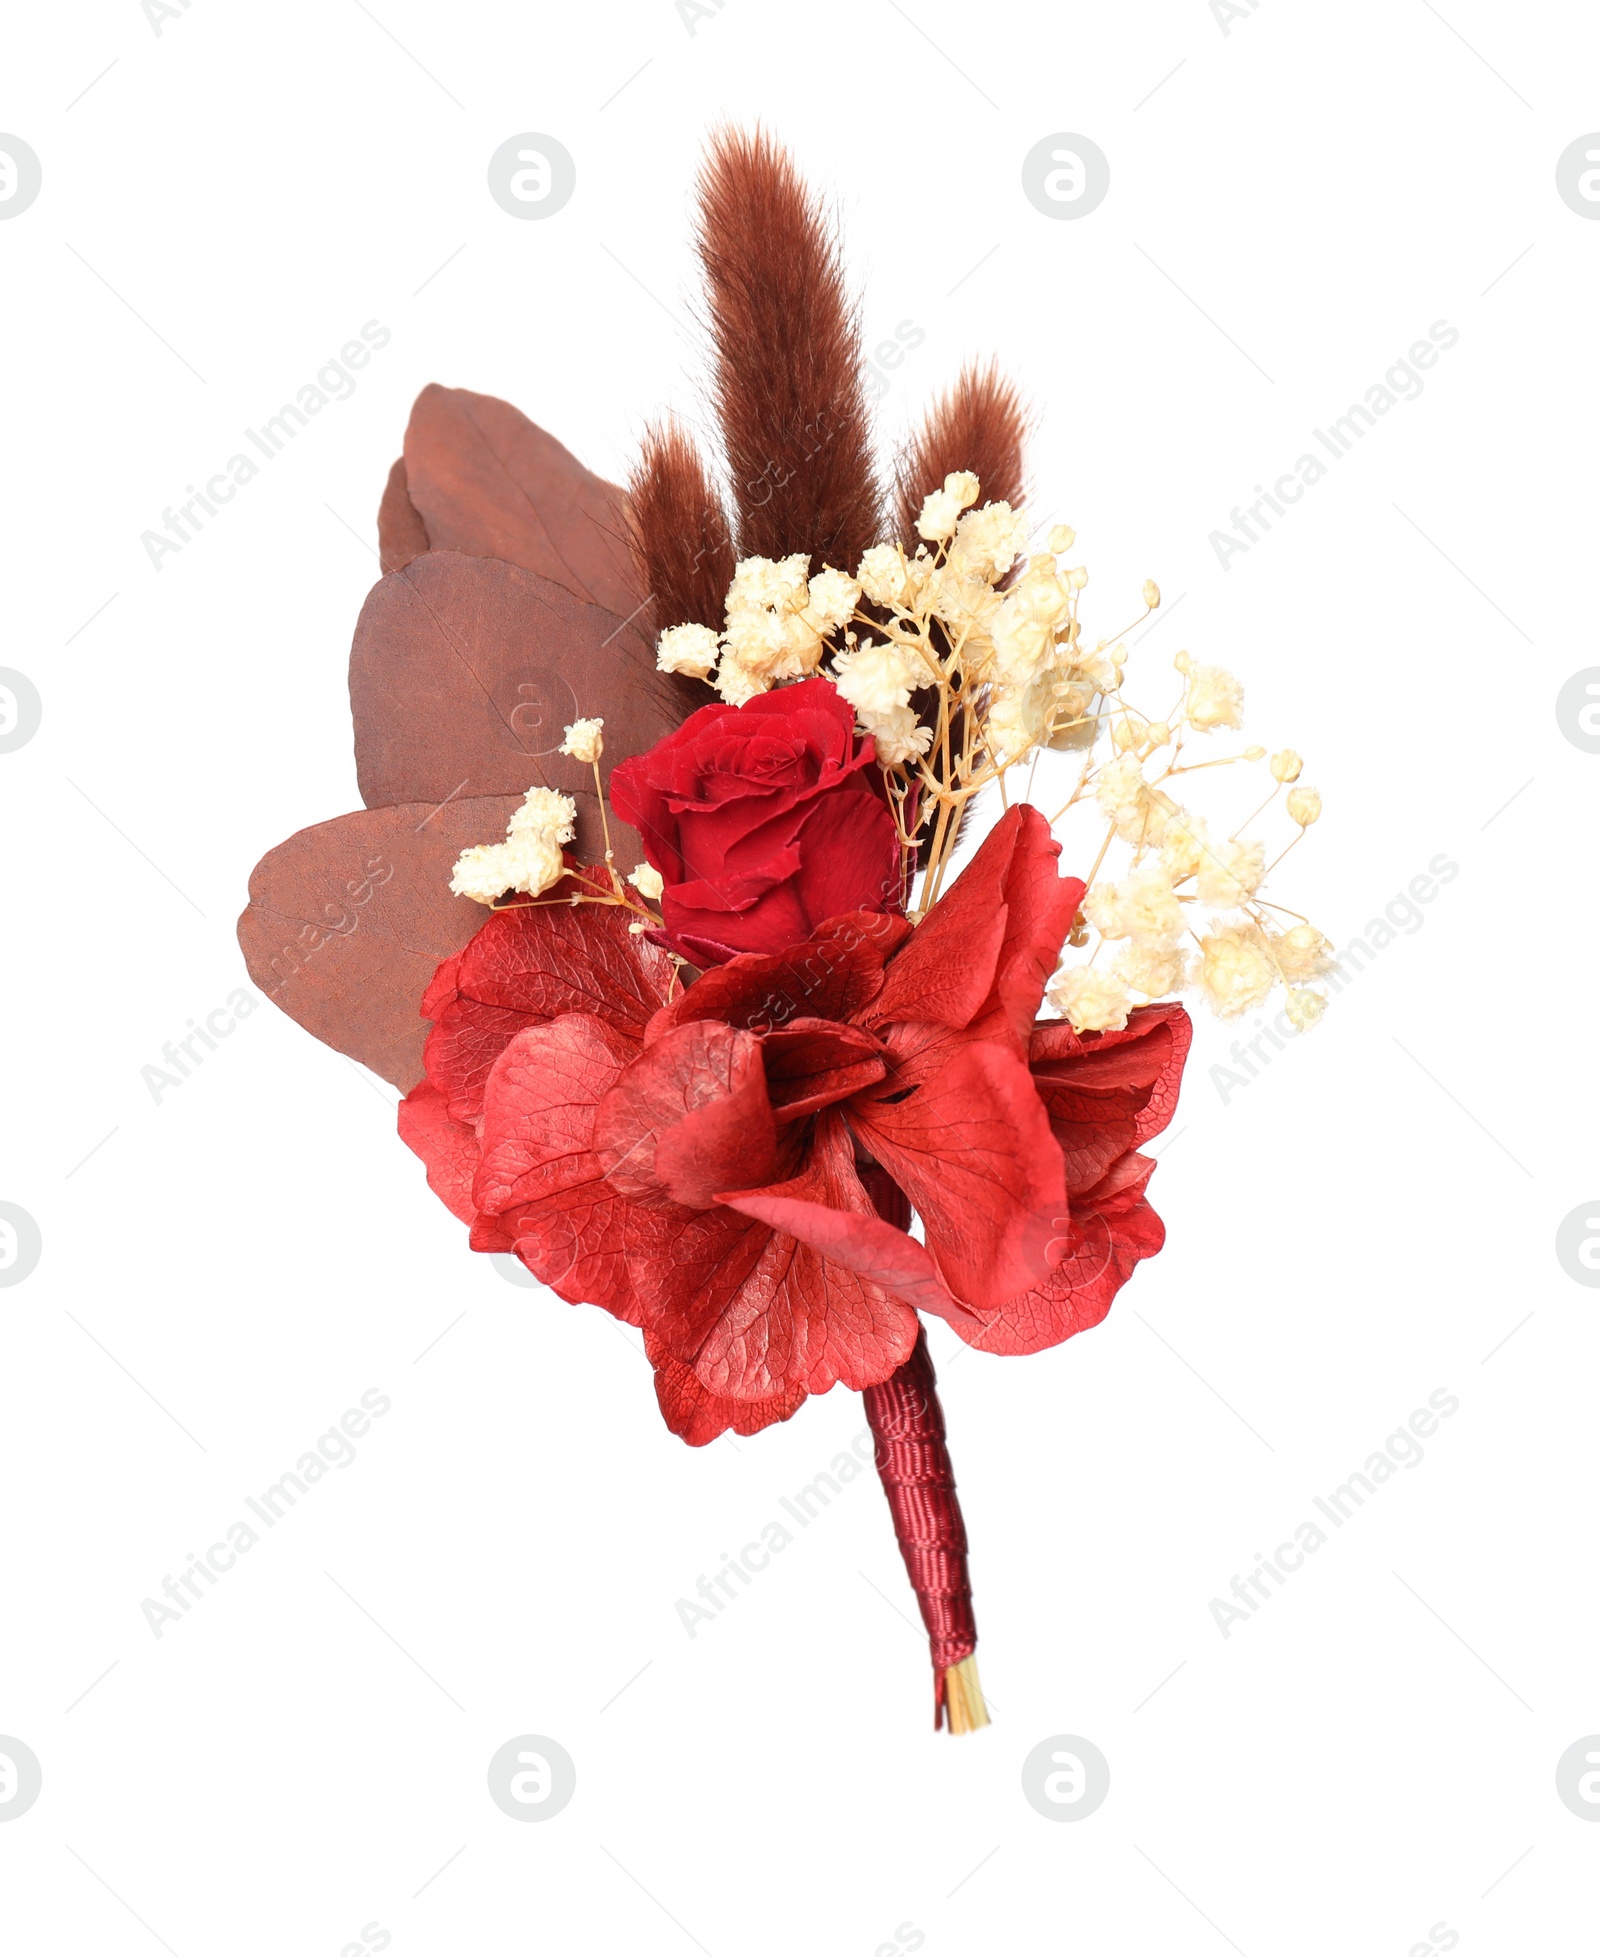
[1371,1219]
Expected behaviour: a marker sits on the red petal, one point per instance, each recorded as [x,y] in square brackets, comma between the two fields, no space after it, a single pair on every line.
[466,1041]
[489,1233]
[834,855]
[689,1117]
[972,1149]
[697,1415]
[1040,907]
[539,1108]
[448,1148]
[528,964]
[579,1245]
[983,954]
[540,1176]
[550,959]
[756,1312]
[486,481]
[1107,1092]
[833,975]
[1112,1228]
[811,1063]
[946,972]
[1163,1102]
[863,1244]
[441,988]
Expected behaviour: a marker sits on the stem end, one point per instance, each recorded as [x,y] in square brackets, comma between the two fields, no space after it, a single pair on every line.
[961,1696]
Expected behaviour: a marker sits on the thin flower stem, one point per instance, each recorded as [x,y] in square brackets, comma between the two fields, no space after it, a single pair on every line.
[1194,767]
[1111,830]
[1083,782]
[623,902]
[605,830]
[1267,804]
[1282,853]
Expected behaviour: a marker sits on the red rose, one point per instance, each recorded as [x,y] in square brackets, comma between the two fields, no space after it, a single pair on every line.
[762,821]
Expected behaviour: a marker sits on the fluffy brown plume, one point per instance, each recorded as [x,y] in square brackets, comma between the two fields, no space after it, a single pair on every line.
[979,424]
[787,384]
[681,536]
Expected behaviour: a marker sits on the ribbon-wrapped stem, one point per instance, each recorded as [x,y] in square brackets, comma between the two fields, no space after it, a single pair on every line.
[913,1464]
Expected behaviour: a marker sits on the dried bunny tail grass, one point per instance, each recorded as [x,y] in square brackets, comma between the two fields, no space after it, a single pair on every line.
[681,536]
[788,376]
[979,424]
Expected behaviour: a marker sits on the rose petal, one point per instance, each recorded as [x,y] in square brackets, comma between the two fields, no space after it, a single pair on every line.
[762,822]
[735,768]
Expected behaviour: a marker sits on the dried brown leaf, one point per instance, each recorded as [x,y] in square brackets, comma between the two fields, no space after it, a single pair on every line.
[465,671]
[401,535]
[348,920]
[486,481]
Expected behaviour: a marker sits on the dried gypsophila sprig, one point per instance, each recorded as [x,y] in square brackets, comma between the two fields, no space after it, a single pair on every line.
[1011,675]
[531,860]
[1175,864]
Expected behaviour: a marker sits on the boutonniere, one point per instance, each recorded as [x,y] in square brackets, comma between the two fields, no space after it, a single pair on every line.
[741,978]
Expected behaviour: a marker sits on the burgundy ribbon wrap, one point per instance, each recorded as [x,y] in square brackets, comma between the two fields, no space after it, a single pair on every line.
[914,1466]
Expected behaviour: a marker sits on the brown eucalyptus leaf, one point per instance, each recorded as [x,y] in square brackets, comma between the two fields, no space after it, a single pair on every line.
[465,672]
[400,533]
[487,481]
[349,919]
